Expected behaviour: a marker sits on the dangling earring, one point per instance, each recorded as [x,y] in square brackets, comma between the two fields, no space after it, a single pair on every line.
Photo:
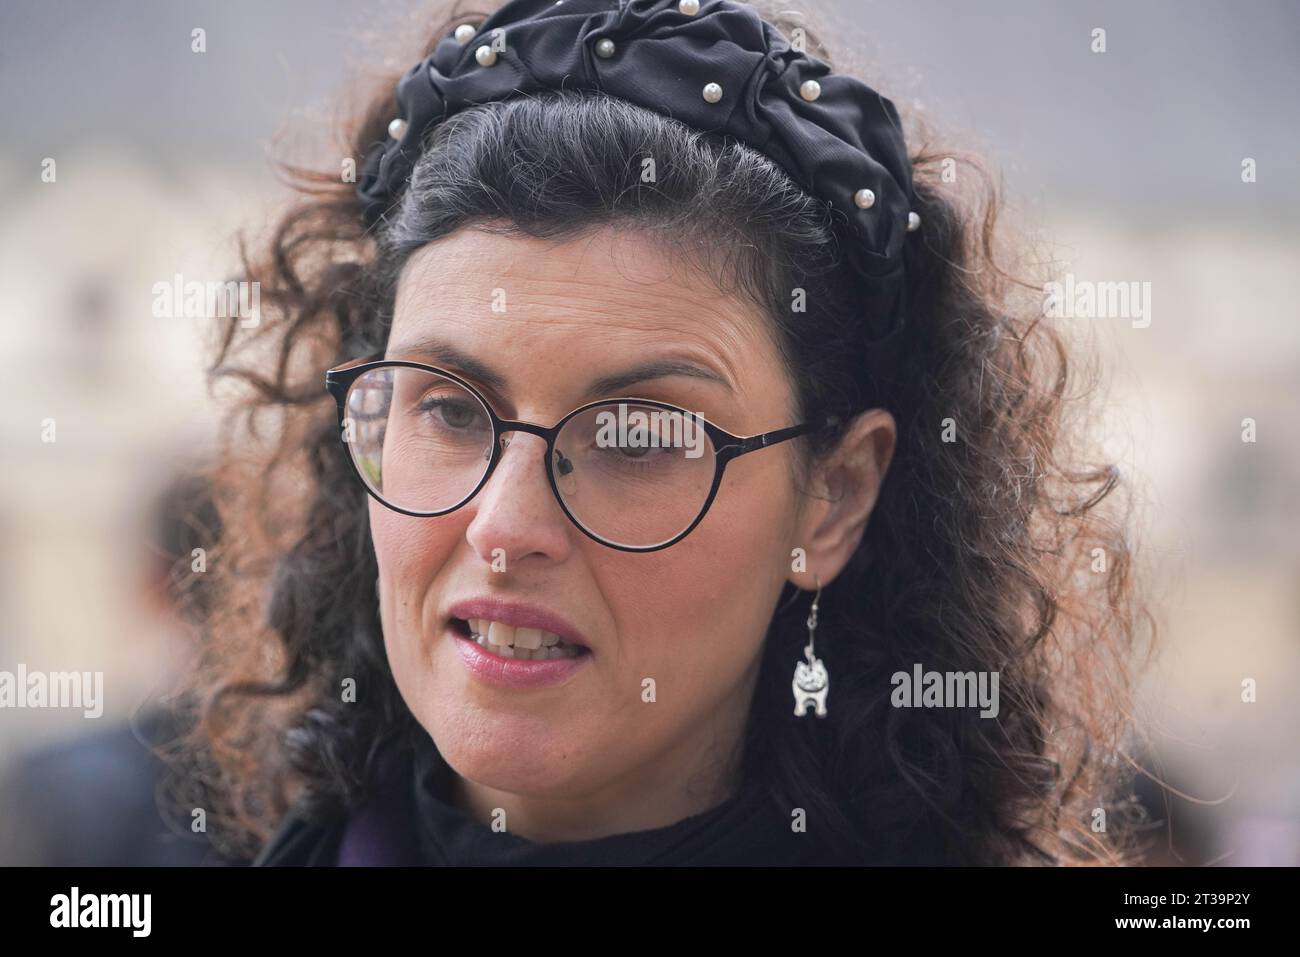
[811,681]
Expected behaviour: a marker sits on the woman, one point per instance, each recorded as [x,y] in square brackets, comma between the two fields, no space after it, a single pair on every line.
[524,588]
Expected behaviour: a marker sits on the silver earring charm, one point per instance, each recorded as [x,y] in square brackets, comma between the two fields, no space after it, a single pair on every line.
[811,681]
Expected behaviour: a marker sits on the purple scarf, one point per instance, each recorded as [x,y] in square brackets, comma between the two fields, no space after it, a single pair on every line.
[381,832]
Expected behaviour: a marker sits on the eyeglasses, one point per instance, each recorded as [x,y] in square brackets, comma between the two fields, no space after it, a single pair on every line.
[634,474]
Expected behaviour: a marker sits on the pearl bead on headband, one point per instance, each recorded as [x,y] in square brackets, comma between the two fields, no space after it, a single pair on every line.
[714,65]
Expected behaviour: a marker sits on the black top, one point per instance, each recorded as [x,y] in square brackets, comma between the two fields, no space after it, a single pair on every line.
[408,821]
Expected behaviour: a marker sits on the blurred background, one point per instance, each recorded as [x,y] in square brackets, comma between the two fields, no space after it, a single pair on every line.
[1170,158]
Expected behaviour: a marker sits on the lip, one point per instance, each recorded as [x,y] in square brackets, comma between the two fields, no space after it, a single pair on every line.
[517,615]
[505,672]
[514,672]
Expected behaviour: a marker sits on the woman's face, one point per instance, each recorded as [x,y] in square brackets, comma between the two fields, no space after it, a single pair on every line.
[673,635]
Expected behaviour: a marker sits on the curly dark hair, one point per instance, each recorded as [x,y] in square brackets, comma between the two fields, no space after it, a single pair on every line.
[981,554]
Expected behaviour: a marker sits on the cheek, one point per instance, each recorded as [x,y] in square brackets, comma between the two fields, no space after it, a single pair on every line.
[411,553]
[407,548]
[699,611]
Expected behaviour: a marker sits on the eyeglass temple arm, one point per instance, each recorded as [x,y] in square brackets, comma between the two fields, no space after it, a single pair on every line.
[755,442]
[337,377]
[353,363]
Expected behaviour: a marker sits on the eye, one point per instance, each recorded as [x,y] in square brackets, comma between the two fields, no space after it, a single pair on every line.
[453,412]
[641,451]
[638,446]
[457,414]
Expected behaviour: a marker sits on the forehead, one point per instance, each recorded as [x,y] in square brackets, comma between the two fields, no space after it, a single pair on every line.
[605,294]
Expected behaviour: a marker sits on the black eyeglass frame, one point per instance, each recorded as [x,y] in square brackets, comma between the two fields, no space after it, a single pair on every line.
[726,446]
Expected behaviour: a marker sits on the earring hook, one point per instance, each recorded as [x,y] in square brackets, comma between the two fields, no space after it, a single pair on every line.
[812,618]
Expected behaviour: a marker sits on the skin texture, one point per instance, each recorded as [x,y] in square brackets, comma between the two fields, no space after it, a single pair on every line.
[590,757]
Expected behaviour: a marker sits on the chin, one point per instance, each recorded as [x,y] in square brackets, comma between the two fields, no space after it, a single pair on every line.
[521,753]
[508,765]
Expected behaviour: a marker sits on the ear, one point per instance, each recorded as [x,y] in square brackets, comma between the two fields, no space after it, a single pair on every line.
[845,485]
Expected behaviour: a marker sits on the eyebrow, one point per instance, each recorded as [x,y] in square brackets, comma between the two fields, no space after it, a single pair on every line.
[443,353]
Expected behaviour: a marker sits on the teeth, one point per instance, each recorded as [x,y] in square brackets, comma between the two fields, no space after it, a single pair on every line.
[527,644]
[530,638]
[499,634]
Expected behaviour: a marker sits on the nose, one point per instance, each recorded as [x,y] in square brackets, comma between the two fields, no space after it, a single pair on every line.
[516,510]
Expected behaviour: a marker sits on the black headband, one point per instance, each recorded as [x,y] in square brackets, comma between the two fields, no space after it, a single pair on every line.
[714,65]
